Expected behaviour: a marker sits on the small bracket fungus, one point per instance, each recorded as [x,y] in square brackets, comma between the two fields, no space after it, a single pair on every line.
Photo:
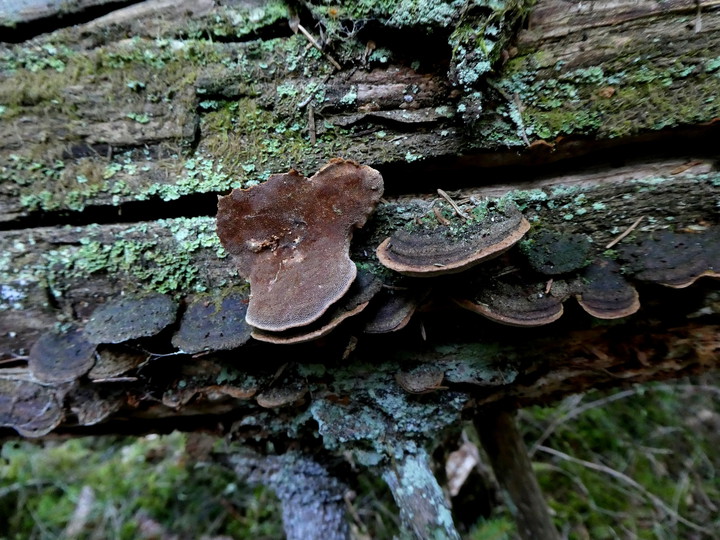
[355,300]
[515,304]
[130,317]
[426,252]
[605,294]
[58,357]
[281,395]
[32,409]
[290,237]
[213,324]
[392,310]
[674,259]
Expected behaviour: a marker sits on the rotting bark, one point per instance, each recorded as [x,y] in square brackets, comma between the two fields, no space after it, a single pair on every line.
[125,129]
[508,456]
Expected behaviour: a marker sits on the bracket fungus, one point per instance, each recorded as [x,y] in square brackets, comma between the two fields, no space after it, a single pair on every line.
[30,408]
[422,379]
[605,294]
[392,309]
[113,361]
[58,357]
[130,317]
[516,304]
[213,324]
[428,252]
[290,237]
[675,259]
[363,289]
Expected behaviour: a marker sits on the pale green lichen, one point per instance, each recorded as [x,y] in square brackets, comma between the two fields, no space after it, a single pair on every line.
[165,261]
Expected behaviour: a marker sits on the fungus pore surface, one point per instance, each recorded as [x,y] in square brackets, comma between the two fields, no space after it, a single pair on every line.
[290,237]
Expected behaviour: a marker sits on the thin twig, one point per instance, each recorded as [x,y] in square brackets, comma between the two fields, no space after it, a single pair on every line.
[627,231]
[438,215]
[452,203]
[319,47]
[311,124]
[311,95]
[657,501]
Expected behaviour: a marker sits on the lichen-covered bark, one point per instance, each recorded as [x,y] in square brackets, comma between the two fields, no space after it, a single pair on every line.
[423,508]
[313,506]
[137,106]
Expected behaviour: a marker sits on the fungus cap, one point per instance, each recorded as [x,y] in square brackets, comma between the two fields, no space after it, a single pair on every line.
[290,237]
[30,408]
[58,357]
[392,310]
[428,253]
[355,300]
[515,304]
[675,259]
[213,323]
[421,380]
[605,294]
[91,406]
[282,395]
[130,317]
[114,360]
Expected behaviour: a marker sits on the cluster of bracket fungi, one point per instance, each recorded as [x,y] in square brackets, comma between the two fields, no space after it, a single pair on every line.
[290,238]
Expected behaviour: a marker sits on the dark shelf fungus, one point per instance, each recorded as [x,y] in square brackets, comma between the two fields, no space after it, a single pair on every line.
[290,237]
[130,317]
[605,293]
[553,253]
[58,357]
[392,309]
[280,396]
[443,249]
[214,323]
[30,408]
[674,259]
[364,288]
[517,304]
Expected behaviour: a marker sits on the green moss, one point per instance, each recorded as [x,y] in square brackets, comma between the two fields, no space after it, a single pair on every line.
[553,253]
[623,97]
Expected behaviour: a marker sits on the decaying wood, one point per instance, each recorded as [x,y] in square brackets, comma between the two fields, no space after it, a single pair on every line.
[116,136]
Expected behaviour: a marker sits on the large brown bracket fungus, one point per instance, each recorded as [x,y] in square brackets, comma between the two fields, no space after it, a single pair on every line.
[428,252]
[290,237]
[363,289]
